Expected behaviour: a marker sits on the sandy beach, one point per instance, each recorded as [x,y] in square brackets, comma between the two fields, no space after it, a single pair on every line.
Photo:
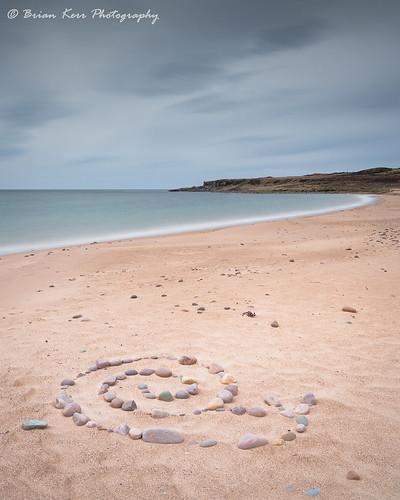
[298,272]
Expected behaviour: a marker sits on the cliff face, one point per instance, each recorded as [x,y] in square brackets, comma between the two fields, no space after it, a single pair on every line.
[373,180]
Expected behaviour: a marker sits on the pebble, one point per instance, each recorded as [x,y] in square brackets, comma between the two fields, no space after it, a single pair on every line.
[187,360]
[111,380]
[302,419]
[215,403]
[193,389]
[129,405]
[287,413]
[102,363]
[289,436]
[238,410]
[309,399]
[275,324]
[163,372]
[122,429]
[116,403]
[149,395]
[67,381]
[349,309]
[70,409]
[353,476]
[302,409]
[215,368]
[109,396]
[196,412]
[131,372]
[226,396]
[272,400]
[91,424]
[92,368]
[233,388]
[159,413]
[278,442]
[134,296]
[188,380]
[228,379]
[135,433]
[312,492]
[120,376]
[33,423]
[207,443]
[162,436]
[127,359]
[165,396]
[62,400]
[182,394]
[250,441]
[146,372]
[256,412]
[103,388]
[80,419]
[142,386]
[300,428]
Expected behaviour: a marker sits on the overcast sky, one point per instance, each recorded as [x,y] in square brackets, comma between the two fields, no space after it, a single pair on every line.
[215,88]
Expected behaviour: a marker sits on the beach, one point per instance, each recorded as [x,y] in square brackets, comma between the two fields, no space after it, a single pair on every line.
[185,295]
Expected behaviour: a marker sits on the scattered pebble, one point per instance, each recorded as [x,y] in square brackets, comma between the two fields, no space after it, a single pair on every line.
[302,409]
[146,372]
[182,394]
[287,413]
[129,405]
[300,428]
[275,324]
[289,436]
[207,443]
[272,400]
[33,423]
[193,389]
[256,412]
[309,399]
[188,380]
[80,419]
[163,372]
[159,413]
[238,410]
[135,433]
[215,403]
[233,388]
[353,476]
[122,429]
[70,409]
[162,436]
[111,380]
[215,368]
[228,379]
[131,372]
[115,362]
[142,386]
[349,309]
[226,396]
[109,396]
[120,376]
[116,403]
[250,441]
[102,363]
[91,424]
[187,360]
[312,492]
[302,419]
[67,381]
[165,396]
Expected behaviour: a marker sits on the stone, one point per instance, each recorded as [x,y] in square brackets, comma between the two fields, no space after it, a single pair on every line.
[127,359]
[91,424]
[287,413]
[92,368]
[215,403]
[102,363]
[188,380]
[256,412]
[215,368]
[226,396]
[275,324]
[238,410]
[120,376]
[309,399]
[62,400]
[233,388]
[227,378]
[302,419]
[163,372]
[288,436]
[116,403]
[80,419]
[207,443]
[103,388]
[122,429]
[135,433]
[161,435]
[146,372]
[272,400]
[159,413]
[111,380]
[149,395]
[134,296]
[129,405]
[67,381]
[302,409]
[349,309]
[193,389]
[250,441]
[182,394]
[33,423]
[143,386]
[109,396]
[165,396]
[312,492]
[300,428]
[131,372]
[196,412]
[353,476]
[70,409]
[187,360]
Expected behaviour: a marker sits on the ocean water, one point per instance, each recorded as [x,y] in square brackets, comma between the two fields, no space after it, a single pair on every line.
[31,220]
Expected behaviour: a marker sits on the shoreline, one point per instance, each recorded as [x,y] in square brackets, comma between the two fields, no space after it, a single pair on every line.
[365,200]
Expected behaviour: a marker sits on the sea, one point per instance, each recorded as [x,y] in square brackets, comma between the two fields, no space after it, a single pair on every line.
[43,219]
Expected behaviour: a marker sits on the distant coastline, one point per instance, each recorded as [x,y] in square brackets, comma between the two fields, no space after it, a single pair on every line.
[373,180]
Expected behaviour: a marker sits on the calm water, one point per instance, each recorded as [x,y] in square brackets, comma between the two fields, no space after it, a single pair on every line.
[32,220]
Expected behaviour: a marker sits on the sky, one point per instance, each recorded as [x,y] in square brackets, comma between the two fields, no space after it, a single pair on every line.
[212,89]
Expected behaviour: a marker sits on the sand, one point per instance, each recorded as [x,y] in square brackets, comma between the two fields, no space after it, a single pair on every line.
[299,272]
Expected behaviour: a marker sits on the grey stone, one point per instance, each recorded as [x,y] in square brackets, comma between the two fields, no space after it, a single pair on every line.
[165,396]
[127,359]
[111,380]
[193,389]
[33,423]
[287,413]
[272,400]
[149,395]
[129,405]
[116,403]
[115,362]
[145,372]
[226,396]
[215,368]
[238,410]
[109,396]
[161,435]
[233,388]
[182,394]
[309,399]
[135,433]
[131,372]
[256,412]
[163,372]
[250,441]
[67,382]
[122,429]
[103,388]
[80,419]
[120,376]
[142,386]
[302,419]
[159,413]
[289,436]
[70,409]
[300,428]
[207,443]
[302,409]
[102,363]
